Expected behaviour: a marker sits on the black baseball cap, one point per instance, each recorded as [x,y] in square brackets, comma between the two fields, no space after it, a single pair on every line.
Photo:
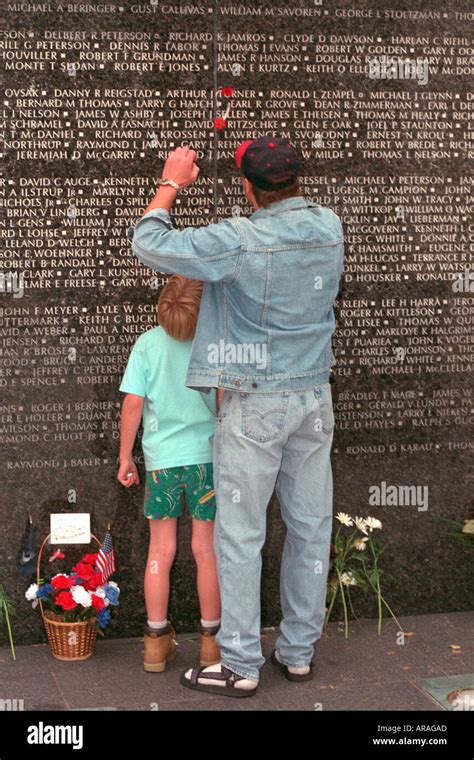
[269,162]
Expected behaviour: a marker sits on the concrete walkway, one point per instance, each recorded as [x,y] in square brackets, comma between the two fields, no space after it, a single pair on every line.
[363,672]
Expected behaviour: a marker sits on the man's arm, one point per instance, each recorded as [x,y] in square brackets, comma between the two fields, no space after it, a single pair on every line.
[164,198]
[210,253]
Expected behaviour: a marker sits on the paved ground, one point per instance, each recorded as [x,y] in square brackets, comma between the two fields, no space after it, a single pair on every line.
[363,672]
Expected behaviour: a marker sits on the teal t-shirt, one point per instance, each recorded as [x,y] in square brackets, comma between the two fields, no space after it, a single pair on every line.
[178,422]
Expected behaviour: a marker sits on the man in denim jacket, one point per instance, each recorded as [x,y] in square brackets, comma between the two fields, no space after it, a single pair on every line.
[264,340]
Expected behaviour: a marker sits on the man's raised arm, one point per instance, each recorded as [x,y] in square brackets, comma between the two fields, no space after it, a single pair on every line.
[209,253]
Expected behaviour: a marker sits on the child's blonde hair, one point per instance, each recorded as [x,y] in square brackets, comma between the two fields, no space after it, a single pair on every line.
[178,306]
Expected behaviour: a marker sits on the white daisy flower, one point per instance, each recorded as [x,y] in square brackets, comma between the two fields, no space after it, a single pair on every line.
[348,579]
[344,518]
[372,523]
[360,545]
[360,524]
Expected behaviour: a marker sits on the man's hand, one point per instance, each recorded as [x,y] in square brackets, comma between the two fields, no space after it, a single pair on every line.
[180,166]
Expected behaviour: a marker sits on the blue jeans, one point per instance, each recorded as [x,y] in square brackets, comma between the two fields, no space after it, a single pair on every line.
[267,441]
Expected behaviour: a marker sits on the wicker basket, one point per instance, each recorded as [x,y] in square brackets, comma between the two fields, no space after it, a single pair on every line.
[68,641]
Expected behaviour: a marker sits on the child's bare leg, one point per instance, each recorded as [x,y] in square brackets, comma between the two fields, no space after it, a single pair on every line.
[161,554]
[202,544]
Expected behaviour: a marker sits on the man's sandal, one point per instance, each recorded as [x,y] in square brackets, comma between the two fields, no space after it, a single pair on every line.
[288,674]
[229,689]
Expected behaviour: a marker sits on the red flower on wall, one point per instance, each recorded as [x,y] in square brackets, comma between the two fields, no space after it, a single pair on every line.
[227,91]
[220,123]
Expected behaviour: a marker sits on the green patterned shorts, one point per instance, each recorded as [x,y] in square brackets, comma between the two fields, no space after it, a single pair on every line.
[166,489]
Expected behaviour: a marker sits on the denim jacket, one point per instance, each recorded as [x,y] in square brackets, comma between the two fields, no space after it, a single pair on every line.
[270,281]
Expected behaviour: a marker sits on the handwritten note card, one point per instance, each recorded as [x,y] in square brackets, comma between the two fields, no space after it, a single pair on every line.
[70,528]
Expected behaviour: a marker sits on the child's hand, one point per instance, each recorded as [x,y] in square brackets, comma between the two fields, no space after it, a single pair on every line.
[128,473]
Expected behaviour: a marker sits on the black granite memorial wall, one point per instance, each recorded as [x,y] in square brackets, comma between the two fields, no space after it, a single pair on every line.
[376,98]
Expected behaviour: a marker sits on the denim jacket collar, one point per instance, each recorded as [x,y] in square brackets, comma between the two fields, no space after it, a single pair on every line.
[295,201]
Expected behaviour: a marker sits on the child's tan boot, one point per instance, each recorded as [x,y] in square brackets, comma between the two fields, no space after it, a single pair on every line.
[160,648]
[210,652]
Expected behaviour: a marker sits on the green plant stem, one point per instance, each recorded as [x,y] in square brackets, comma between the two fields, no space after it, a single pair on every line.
[10,636]
[379,605]
[341,559]
[331,605]
[349,543]
[350,603]
[381,597]
[392,613]
[346,621]
[379,601]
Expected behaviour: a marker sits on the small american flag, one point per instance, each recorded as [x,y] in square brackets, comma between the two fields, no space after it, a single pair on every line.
[106,558]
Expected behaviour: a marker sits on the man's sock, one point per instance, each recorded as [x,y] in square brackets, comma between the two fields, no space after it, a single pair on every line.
[157,624]
[245,683]
[292,668]
[210,623]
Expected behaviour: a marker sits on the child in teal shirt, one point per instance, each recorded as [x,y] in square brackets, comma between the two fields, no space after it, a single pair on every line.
[177,442]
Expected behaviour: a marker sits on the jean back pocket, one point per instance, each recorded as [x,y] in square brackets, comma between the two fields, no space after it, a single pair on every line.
[264,415]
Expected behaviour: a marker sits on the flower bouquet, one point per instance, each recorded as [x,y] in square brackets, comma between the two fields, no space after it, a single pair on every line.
[76,608]
[355,563]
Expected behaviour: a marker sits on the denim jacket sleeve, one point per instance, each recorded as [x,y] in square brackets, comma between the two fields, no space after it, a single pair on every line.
[210,253]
